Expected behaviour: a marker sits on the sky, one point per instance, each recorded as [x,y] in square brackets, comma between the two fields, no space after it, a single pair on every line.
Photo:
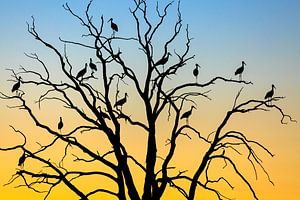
[265,34]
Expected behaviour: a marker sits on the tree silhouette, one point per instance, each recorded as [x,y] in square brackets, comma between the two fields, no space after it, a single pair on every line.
[102,102]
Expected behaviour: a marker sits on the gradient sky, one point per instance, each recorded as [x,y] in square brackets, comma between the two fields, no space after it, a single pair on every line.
[264,33]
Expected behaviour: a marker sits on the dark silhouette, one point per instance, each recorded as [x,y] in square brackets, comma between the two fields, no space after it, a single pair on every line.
[240,70]
[17,85]
[96,145]
[196,71]
[187,114]
[103,114]
[113,26]
[92,65]
[163,61]
[270,94]
[60,124]
[82,72]
[22,160]
[122,101]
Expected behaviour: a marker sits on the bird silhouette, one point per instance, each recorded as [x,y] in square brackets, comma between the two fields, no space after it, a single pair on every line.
[92,65]
[22,159]
[121,102]
[113,26]
[82,72]
[17,85]
[187,114]
[240,70]
[60,124]
[270,94]
[196,71]
[163,61]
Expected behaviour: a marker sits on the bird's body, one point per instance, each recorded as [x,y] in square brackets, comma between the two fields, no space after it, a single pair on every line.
[22,159]
[60,124]
[270,93]
[187,114]
[92,65]
[240,70]
[163,60]
[113,26]
[121,102]
[196,72]
[17,85]
[82,72]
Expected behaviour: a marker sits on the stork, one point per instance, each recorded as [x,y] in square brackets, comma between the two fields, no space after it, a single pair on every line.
[163,60]
[240,70]
[17,85]
[113,26]
[121,102]
[196,71]
[60,124]
[187,114]
[270,94]
[82,72]
[92,65]
[22,160]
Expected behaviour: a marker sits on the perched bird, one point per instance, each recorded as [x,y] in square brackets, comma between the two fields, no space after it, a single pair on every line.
[121,101]
[187,114]
[196,71]
[240,70]
[60,124]
[82,72]
[270,94]
[17,85]
[163,60]
[92,65]
[22,159]
[113,26]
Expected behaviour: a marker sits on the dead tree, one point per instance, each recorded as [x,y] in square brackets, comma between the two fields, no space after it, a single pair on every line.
[96,90]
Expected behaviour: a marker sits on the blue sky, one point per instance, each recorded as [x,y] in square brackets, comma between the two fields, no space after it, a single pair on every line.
[261,32]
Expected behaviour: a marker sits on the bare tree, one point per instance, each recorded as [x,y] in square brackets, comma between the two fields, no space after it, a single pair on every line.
[98,100]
